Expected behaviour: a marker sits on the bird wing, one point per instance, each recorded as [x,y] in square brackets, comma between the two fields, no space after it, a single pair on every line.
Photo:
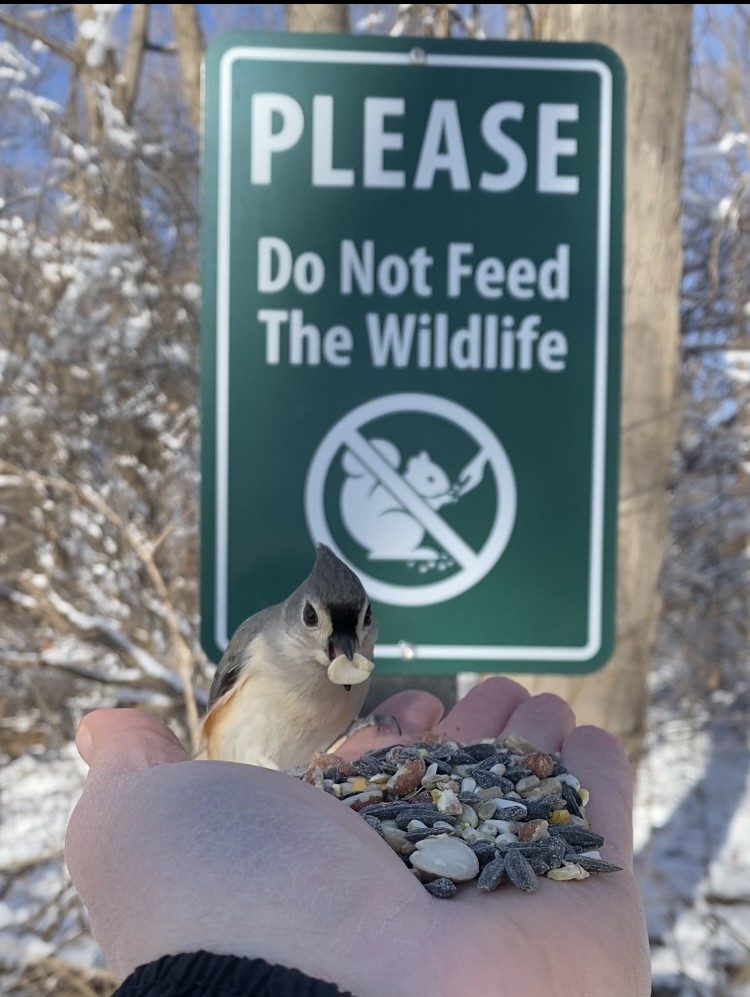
[236,656]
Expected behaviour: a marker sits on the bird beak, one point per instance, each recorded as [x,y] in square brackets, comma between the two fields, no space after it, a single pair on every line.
[341,643]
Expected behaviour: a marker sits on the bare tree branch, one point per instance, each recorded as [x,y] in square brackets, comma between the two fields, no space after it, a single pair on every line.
[132,62]
[181,651]
[69,52]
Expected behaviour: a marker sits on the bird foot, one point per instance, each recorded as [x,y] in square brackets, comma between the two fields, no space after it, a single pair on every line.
[383,723]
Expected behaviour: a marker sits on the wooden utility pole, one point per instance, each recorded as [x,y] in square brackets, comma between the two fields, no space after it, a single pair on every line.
[654,42]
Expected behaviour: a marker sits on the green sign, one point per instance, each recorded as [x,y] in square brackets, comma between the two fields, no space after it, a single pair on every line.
[411,338]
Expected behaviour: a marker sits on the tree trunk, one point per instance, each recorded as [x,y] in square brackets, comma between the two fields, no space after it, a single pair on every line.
[116,198]
[654,42]
[516,21]
[333,17]
[189,40]
[132,62]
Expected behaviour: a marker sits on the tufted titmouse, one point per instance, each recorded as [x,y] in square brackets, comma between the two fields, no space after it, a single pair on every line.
[294,675]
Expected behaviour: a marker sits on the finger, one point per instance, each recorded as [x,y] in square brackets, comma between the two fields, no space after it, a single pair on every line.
[117,741]
[545,720]
[400,718]
[415,712]
[599,761]
[483,711]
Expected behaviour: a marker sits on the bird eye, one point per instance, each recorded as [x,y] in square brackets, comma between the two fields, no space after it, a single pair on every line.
[368,616]
[309,616]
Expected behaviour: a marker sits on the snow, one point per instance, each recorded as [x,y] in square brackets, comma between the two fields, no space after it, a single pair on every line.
[99,32]
[37,795]
[692,823]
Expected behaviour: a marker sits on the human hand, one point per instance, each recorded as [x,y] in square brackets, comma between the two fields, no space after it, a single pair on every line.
[235,859]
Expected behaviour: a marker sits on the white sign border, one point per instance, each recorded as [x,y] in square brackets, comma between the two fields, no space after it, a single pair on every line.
[422,652]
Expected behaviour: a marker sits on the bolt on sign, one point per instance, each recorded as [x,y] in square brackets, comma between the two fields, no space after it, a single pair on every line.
[411,325]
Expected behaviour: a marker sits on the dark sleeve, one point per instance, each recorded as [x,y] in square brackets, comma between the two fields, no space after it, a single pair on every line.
[204,974]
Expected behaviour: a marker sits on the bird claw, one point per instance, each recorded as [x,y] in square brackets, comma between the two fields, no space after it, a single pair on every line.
[382,722]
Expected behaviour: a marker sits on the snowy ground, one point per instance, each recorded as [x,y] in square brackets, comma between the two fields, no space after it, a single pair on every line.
[692,826]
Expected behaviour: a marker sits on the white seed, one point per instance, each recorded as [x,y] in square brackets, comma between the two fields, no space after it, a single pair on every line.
[504,826]
[505,838]
[444,856]
[365,798]
[392,834]
[499,769]
[468,816]
[570,780]
[443,824]
[463,770]
[470,835]
[504,804]
[551,786]
[416,825]
[447,802]
[532,795]
[468,785]
[528,782]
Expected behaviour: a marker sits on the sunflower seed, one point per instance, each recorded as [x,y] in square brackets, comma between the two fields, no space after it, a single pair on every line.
[572,798]
[425,832]
[385,811]
[578,837]
[591,864]
[424,814]
[374,824]
[484,851]
[492,875]
[471,798]
[498,758]
[481,750]
[519,871]
[442,888]
[555,852]
[366,766]
[486,779]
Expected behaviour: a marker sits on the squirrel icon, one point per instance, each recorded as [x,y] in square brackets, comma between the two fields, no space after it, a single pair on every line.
[376,518]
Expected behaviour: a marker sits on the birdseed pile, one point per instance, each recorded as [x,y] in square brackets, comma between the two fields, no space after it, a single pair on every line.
[495,811]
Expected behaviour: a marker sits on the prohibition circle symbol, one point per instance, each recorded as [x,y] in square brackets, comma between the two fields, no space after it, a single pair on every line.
[473,565]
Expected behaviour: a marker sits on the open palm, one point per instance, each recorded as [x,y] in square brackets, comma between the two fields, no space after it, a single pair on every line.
[235,859]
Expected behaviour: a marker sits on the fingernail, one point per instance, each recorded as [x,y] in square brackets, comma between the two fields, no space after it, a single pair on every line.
[84,741]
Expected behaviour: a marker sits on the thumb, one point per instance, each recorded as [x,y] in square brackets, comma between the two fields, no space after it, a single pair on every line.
[125,740]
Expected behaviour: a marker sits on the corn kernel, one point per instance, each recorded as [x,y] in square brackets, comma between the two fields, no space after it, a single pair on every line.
[559,817]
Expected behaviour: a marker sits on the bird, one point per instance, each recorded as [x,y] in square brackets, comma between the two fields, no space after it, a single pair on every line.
[294,675]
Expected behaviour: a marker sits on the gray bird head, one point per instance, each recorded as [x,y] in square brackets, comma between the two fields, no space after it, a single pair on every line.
[329,614]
